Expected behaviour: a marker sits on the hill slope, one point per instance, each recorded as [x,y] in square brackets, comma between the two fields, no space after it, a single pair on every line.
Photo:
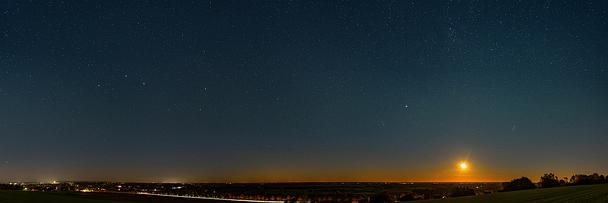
[582,193]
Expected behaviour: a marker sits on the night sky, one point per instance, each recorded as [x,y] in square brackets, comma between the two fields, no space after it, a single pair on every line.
[249,91]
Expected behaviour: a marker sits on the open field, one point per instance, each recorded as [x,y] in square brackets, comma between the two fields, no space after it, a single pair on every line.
[583,193]
[60,197]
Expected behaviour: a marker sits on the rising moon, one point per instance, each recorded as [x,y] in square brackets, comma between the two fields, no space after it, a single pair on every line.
[463,166]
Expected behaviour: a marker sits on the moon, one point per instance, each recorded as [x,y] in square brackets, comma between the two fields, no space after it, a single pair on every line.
[463,166]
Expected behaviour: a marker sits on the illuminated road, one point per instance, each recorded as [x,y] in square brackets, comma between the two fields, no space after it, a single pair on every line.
[208,198]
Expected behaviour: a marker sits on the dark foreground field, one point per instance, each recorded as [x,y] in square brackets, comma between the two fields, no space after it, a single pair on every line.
[583,193]
[57,197]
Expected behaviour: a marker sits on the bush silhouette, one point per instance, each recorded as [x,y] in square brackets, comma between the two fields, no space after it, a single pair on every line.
[549,180]
[522,183]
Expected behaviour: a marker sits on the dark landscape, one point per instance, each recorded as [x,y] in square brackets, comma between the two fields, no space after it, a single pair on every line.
[583,193]
[588,188]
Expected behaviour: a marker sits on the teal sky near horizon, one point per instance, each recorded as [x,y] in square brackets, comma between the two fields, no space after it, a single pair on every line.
[256,91]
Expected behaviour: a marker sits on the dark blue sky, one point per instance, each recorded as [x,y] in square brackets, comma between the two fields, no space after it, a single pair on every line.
[302,90]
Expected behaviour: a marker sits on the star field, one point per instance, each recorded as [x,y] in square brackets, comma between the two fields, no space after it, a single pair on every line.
[301,90]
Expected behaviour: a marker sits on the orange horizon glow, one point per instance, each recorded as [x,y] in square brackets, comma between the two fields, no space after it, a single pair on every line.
[456,170]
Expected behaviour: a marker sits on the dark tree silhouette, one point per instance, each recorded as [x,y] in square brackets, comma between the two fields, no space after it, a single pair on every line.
[522,183]
[581,179]
[549,180]
[596,178]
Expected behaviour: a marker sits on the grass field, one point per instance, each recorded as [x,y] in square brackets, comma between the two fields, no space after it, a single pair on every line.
[583,193]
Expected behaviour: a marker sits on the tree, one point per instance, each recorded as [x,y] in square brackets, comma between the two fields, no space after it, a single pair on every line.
[549,180]
[581,179]
[522,183]
[596,178]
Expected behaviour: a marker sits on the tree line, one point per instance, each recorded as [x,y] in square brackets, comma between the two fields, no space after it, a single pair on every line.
[551,180]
